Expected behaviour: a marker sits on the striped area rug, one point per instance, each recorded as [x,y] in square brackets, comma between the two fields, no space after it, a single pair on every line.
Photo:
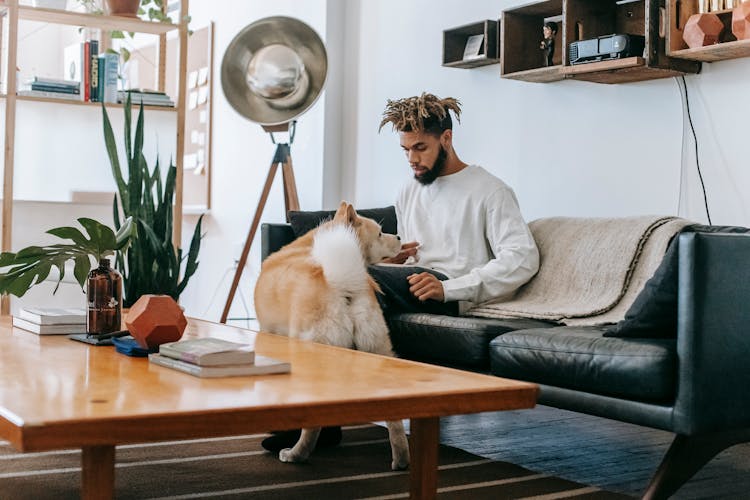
[237,467]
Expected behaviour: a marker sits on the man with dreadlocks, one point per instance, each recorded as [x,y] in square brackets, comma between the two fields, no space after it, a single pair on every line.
[462,225]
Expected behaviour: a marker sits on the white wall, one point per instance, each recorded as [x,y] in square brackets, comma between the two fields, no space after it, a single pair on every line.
[242,155]
[567,148]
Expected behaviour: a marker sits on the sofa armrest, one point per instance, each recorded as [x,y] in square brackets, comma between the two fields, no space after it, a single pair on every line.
[713,333]
[273,237]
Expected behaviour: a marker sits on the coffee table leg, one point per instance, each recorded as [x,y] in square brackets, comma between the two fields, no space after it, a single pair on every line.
[98,472]
[423,444]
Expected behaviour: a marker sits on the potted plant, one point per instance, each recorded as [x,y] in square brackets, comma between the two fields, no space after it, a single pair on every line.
[32,265]
[151,264]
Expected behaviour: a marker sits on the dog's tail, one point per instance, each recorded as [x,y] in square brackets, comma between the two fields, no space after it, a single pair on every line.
[336,249]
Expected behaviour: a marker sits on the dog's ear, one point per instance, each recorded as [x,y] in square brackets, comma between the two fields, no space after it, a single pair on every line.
[345,214]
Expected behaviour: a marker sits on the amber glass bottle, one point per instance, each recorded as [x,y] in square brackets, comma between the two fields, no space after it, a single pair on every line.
[104,295]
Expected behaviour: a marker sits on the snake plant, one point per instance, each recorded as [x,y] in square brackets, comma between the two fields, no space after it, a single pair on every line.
[151,264]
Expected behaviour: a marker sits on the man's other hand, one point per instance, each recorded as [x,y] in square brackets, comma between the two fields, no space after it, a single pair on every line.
[407,250]
[426,286]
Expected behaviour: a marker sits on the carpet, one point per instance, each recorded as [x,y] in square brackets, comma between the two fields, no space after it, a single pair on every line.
[237,467]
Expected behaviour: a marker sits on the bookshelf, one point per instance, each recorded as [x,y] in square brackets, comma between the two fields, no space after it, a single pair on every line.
[15,14]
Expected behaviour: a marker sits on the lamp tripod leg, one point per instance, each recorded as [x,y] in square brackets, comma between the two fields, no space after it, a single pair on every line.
[250,236]
[291,200]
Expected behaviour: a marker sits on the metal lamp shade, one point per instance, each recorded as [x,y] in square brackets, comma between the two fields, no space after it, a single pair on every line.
[274,70]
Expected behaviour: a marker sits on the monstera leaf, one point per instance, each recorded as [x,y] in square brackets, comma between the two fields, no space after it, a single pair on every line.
[31,265]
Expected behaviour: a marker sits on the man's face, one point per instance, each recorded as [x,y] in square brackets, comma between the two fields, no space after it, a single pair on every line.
[425,153]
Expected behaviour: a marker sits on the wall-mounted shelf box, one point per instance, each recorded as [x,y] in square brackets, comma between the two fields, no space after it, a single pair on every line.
[678,12]
[521,33]
[582,20]
[454,43]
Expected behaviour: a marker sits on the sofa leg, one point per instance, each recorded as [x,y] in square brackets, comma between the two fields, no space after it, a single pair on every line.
[685,457]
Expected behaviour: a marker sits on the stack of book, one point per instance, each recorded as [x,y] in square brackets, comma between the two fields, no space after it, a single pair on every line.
[51,321]
[147,97]
[212,357]
[52,88]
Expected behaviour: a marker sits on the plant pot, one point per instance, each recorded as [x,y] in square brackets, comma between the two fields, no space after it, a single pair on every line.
[741,21]
[125,8]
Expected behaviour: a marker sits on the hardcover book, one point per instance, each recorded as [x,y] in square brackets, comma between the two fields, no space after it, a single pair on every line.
[53,315]
[209,352]
[262,366]
[63,329]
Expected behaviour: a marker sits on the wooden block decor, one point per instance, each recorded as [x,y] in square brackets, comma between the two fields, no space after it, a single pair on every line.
[702,29]
[741,21]
[154,320]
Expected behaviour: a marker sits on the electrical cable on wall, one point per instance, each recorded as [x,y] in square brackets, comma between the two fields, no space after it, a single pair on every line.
[684,95]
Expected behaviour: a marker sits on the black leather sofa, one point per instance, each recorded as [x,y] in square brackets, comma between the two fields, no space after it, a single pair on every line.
[691,381]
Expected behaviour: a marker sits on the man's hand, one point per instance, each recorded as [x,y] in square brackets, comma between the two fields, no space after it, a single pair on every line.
[426,286]
[407,250]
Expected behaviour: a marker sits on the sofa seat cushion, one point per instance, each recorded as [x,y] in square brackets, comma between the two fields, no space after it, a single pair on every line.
[581,358]
[449,340]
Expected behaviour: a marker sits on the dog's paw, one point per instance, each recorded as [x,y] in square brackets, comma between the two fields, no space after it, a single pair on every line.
[287,455]
[400,464]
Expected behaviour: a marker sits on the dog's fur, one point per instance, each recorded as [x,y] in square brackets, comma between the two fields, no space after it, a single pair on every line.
[317,288]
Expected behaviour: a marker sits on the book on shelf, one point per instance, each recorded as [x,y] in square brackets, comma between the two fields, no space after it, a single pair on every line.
[49,95]
[53,315]
[54,88]
[262,366]
[108,68]
[208,351]
[93,71]
[148,98]
[61,329]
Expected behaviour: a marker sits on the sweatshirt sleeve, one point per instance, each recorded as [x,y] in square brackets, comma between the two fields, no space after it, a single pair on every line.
[516,256]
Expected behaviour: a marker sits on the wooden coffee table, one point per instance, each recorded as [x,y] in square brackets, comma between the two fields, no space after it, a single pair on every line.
[56,393]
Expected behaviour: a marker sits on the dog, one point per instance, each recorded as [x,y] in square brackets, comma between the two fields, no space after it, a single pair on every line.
[317,289]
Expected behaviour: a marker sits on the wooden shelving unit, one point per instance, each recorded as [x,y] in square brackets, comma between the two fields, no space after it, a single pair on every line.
[16,13]
[678,12]
[521,33]
[583,20]
[454,42]
[82,103]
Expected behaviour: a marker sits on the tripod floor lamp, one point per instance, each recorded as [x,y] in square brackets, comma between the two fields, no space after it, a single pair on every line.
[272,72]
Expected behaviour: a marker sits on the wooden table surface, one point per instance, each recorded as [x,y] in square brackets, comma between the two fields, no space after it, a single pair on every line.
[58,393]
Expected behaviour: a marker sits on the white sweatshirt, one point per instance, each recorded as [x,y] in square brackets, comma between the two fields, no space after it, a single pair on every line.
[471,230]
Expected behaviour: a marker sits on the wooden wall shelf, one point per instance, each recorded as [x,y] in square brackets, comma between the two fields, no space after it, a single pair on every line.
[454,43]
[95,21]
[521,33]
[678,12]
[72,102]
[582,20]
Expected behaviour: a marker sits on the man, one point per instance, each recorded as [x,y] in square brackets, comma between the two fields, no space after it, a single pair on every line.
[462,225]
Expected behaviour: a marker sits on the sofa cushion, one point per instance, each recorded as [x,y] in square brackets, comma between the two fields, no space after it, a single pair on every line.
[653,314]
[303,222]
[581,358]
[451,340]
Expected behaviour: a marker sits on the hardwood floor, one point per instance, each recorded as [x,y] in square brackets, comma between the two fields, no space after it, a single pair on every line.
[612,455]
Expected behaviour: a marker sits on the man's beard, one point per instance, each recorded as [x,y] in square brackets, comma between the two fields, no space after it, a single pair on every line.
[437,168]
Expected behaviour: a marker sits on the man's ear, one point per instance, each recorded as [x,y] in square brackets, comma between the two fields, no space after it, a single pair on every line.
[446,139]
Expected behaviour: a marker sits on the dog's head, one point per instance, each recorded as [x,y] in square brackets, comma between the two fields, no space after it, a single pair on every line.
[375,244]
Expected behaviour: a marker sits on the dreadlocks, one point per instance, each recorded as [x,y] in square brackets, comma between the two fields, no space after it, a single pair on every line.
[426,113]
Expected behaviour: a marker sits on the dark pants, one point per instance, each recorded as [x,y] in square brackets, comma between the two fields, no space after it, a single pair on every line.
[396,297]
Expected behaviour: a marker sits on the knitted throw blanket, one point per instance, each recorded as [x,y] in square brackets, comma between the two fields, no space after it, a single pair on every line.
[591,269]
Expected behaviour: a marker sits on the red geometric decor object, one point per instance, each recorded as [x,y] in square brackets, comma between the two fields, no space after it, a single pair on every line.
[154,320]
[741,21]
[702,29]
